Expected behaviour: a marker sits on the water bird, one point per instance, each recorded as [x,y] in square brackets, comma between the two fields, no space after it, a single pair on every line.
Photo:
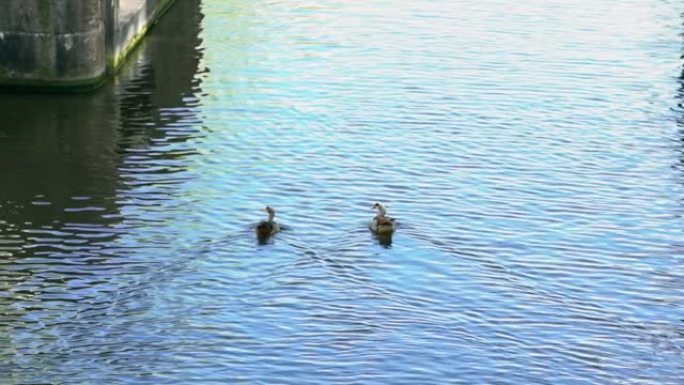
[265,229]
[381,223]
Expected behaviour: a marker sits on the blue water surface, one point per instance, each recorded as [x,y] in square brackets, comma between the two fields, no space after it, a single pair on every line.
[531,151]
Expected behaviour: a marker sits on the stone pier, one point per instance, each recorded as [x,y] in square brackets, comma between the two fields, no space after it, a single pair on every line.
[67,45]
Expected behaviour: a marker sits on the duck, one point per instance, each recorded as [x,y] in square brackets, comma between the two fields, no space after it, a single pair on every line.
[266,228]
[381,223]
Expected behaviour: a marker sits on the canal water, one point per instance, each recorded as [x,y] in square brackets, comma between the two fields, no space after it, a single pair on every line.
[532,152]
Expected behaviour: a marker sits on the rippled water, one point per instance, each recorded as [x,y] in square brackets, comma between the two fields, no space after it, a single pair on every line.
[532,152]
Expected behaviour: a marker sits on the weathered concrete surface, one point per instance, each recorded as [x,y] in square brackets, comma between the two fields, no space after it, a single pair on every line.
[133,19]
[52,41]
[63,44]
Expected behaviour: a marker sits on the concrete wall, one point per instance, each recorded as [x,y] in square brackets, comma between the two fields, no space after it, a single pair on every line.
[69,44]
[129,21]
[57,42]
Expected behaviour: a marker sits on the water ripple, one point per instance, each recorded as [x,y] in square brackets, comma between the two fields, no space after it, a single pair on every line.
[530,151]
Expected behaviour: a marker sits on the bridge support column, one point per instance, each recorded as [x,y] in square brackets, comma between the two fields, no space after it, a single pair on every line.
[70,44]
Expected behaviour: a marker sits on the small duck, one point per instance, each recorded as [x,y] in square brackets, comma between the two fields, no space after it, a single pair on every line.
[382,224]
[268,227]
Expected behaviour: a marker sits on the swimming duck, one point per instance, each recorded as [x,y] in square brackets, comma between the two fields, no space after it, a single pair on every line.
[268,227]
[381,223]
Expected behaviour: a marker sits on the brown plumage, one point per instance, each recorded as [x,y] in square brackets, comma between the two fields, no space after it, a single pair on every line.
[381,223]
[266,228]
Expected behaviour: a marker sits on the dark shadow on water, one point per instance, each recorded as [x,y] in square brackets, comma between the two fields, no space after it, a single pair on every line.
[71,163]
[61,156]
[263,240]
[384,240]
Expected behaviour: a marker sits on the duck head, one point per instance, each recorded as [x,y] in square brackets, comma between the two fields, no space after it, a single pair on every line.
[380,208]
[271,212]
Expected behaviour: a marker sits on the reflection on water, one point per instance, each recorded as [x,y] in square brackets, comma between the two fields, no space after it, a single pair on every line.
[73,168]
[383,239]
[526,149]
